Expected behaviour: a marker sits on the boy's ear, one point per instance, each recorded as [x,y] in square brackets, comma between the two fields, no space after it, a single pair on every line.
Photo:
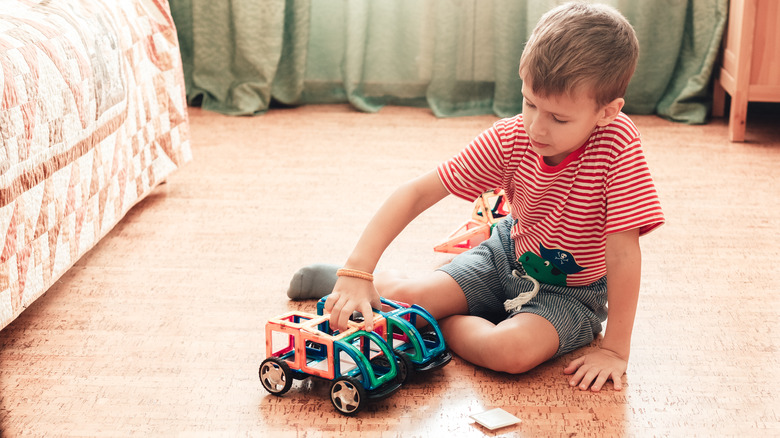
[609,111]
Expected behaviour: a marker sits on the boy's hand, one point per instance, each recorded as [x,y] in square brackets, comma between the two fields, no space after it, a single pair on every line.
[350,295]
[594,369]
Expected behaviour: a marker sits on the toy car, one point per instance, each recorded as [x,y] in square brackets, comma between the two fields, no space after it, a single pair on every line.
[398,324]
[359,363]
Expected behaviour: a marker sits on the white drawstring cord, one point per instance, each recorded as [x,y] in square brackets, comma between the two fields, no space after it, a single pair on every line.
[517,302]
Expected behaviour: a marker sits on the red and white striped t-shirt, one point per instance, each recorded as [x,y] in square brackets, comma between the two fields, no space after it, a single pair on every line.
[604,187]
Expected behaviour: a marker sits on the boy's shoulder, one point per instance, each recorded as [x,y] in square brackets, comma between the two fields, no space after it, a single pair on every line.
[509,130]
[514,122]
[621,128]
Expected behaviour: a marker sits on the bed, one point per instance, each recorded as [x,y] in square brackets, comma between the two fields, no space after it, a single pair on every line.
[92,117]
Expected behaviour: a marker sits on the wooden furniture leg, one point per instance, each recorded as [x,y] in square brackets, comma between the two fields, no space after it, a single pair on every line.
[738,115]
[718,99]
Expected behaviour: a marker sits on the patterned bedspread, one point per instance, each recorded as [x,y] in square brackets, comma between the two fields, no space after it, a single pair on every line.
[92,117]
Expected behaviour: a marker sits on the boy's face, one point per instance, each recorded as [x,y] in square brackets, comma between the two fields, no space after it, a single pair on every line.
[559,125]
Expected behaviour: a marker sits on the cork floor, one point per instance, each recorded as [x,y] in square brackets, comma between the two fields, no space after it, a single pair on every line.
[159,330]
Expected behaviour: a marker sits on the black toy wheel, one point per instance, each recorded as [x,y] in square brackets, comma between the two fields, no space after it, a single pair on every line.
[275,376]
[405,366]
[430,336]
[347,395]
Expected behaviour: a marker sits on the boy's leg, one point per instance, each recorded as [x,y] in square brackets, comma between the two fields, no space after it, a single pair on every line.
[515,345]
[437,292]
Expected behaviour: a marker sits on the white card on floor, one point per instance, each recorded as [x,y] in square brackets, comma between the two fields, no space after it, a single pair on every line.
[495,418]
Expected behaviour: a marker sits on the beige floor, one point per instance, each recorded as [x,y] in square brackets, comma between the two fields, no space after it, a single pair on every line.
[158,331]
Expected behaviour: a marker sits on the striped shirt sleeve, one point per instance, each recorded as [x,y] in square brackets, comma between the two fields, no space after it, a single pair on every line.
[632,201]
[477,168]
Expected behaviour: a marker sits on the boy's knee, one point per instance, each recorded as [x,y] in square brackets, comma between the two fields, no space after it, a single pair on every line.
[517,353]
[511,360]
[520,365]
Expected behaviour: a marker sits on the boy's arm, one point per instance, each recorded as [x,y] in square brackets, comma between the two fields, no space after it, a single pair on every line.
[406,203]
[624,260]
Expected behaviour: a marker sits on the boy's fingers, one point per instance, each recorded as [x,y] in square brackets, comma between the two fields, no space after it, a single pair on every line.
[617,382]
[599,383]
[368,315]
[339,315]
[574,365]
[590,376]
[577,377]
[330,301]
[345,315]
[334,314]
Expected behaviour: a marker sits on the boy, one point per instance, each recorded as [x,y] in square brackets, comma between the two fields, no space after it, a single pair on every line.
[573,170]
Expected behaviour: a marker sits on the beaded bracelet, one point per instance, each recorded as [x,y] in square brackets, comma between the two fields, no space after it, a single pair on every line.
[344,272]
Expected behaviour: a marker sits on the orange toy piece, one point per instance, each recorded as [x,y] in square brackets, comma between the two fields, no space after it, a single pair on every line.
[489,208]
[467,236]
[294,330]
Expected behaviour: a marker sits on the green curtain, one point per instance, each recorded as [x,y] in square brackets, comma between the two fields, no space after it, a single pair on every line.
[458,57]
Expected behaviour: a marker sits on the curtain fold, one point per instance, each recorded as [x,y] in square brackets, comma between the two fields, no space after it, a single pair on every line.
[458,57]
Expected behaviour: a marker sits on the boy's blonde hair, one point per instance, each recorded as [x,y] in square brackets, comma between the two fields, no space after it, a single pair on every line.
[580,46]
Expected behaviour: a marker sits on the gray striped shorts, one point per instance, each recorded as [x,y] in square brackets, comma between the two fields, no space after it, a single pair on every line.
[484,273]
